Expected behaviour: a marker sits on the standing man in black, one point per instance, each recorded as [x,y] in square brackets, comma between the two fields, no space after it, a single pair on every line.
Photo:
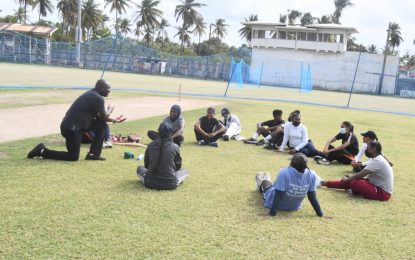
[78,119]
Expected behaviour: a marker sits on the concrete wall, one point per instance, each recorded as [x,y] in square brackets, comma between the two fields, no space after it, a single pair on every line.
[331,71]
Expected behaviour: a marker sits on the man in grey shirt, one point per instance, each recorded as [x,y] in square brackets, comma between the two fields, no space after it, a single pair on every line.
[177,124]
[379,182]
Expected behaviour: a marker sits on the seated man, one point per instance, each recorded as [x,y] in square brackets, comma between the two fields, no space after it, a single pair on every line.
[379,182]
[290,188]
[296,136]
[272,130]
[231,123]
[177,123]
[208,129]
[162,162]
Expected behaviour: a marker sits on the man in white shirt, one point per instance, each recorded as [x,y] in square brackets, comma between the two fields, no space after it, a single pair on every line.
[231,123]
[296,135]
[379,182]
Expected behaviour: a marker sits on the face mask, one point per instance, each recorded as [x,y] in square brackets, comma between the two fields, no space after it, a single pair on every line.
[296,123]
[342,130]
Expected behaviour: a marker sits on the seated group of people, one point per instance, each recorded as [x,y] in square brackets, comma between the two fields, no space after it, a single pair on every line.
[162,168]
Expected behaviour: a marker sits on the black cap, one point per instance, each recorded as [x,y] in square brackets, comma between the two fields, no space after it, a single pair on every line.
[165,130]
[225,111]
[370,134]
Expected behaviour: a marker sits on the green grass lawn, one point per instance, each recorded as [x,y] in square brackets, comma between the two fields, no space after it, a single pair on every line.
[96,210]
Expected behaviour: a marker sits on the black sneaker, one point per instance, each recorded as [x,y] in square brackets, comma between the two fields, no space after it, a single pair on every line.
[226,138]
[91,157]
[261,142]
[37,151]
[271,146]
[213,144]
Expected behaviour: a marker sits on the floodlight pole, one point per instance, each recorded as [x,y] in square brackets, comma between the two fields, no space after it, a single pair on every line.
[78,35]
[382,75]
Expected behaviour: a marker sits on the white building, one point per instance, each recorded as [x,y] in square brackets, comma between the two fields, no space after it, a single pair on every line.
[279,51]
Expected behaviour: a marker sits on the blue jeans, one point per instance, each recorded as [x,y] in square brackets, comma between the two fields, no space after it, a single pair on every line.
[309,150]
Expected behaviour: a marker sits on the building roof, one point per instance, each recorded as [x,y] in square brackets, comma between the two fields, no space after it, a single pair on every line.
[27,28]
[309,27]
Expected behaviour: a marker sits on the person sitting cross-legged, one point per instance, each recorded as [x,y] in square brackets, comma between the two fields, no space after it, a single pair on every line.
[177,122]
[374,182]
[231,123]
[290,188]
[162,162]
[272,130]
[344,153]
[208,129]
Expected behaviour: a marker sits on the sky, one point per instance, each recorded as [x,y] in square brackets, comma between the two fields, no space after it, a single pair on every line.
[369,17]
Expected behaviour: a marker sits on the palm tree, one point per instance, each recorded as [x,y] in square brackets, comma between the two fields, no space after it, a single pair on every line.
[395,37]
[68,10]
[119,7]
[162,29]
[186,10]
[200,28]
[372,49]
[148,35]
[184,37]
[148,16]
[220,28]
[325,19]
[24,4]
[137,31]
[45,6]
[294,14]
[125,26]
[246,32]
[91,16]
[19,14]
[306,19]
[339,7]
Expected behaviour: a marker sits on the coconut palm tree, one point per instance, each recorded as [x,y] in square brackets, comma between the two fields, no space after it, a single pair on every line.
[125,26]
[246,31]
[395,37]
[68,10]
[220,28]
[119,7]
[372,49]
[91,17]
[184,36]
[24,4]
[294,14]
[186,10]
[306,19]
[162,29]
[339,7]
[138,30]
[148,16]
[44,6]
[19,14]
[200,28]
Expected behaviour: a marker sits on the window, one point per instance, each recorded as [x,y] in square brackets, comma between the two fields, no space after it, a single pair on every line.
[261,34]
[312,37]
[270,34]
[291,36]
[282,35]
[301,36]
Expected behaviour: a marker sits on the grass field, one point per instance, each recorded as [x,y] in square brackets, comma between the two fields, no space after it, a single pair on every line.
[90,210]
[46,76]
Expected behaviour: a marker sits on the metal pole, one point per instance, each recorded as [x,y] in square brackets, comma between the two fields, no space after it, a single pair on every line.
[354,78]
[78,35]
[229,81]
[382,75]
[260,75]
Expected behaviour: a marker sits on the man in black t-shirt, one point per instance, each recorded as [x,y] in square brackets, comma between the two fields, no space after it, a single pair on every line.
[272,130]
[208,129]
[78,119]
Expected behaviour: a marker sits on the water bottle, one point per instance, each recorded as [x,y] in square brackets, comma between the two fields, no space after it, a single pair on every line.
[140,157]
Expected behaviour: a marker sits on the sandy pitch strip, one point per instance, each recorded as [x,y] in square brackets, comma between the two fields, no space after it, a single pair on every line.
[36,121]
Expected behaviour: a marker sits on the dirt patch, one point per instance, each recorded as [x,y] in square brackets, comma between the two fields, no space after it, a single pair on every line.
[3,156]
[36,121]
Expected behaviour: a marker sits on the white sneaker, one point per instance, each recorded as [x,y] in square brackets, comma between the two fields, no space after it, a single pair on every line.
[202,142]
[323,161]
[260,177]
[107,144]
